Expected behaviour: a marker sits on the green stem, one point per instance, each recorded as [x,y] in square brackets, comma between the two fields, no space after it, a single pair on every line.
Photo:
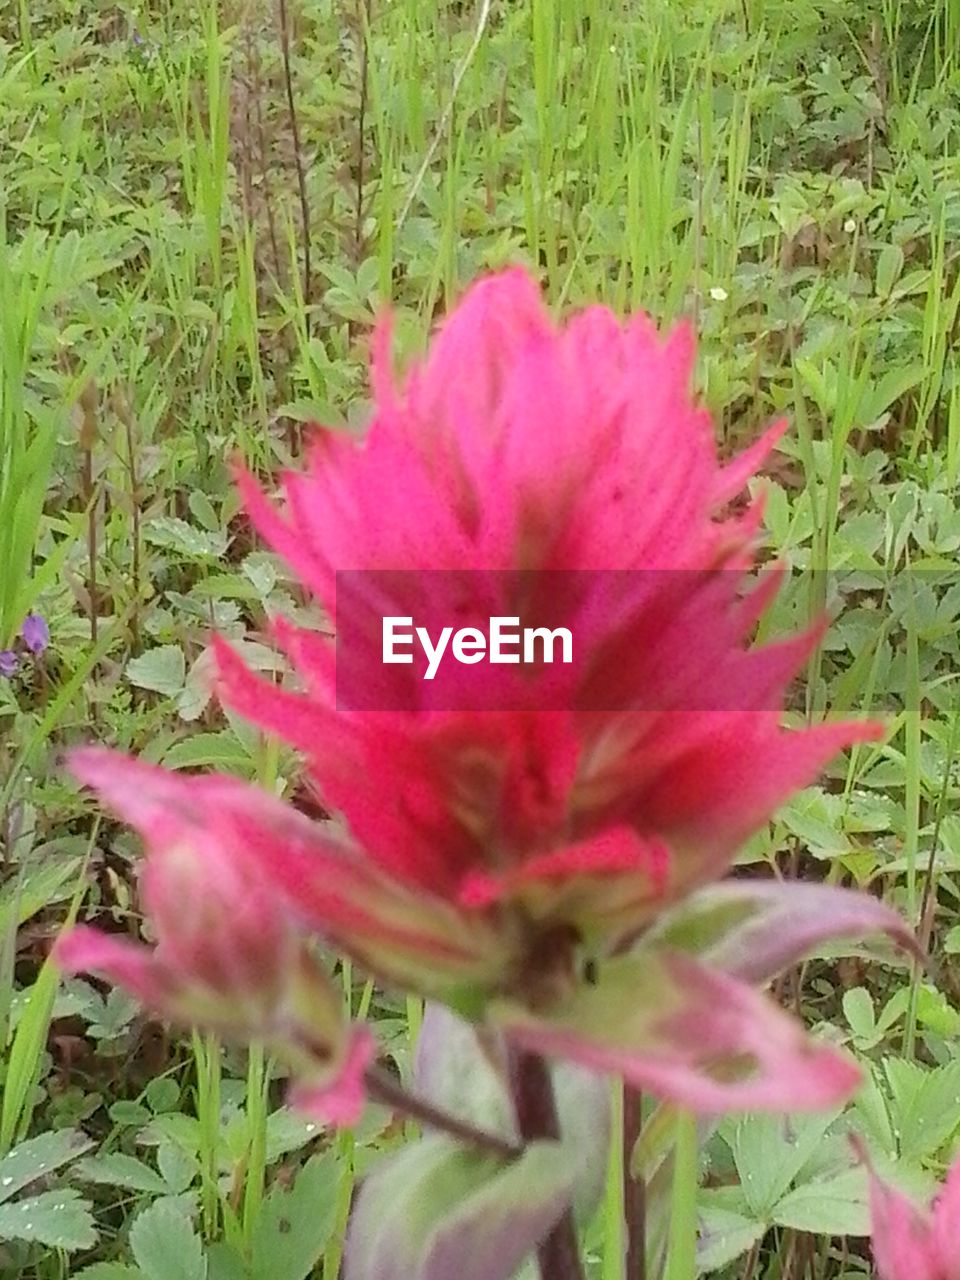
[682,1258]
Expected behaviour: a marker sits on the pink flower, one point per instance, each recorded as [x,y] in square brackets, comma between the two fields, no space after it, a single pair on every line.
[576,451]
[910,1243]
[228,955]
[497,857]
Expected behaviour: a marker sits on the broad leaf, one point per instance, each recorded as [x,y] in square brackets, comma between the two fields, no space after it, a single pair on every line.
[161,670]
[836,1206]
[165,1245]
[770,1151]
[38,1157]
[178,1168]
[293,1226]
[59,1218]
[225,1263]
[681,1031]
[466,1075]
[924,1105]
[439,1211]
[724,1235]
[118,1170]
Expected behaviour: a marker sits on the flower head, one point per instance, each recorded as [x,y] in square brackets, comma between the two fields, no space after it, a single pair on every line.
[503,833]
[227,955]
[35,632]
[571,456]
[9,662]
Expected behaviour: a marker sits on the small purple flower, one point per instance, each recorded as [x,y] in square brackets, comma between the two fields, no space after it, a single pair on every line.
[35,632]
[8,662]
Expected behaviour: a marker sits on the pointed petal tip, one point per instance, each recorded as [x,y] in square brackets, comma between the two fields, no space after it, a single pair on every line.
[84,949]
[111,772]
[732,478]
[339,1101]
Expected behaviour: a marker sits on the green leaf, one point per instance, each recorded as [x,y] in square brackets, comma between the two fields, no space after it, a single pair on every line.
[219,750]
[936,1013]
[724,1235]
[178,1168]
[59,1218]
[176,535]
[165,1245]
[858,1011]
[203,510]
[437,1209]
[162,1094]
[837,1206]
[889,267]
[38,1157]
[890,386]
[118,1170]
[35,888]
[287,1131]
[161,670]
[225,1263]
[770,1151]
[468,1081]
[925,1105]
[294,1225]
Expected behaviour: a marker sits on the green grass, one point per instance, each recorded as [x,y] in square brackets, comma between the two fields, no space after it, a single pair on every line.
[784,172]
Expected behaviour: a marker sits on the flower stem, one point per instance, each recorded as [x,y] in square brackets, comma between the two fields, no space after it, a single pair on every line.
[634,1188]
[382,1087]
[558,1255]
[682,1257]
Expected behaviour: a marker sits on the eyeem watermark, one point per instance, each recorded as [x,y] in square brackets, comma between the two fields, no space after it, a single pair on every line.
[653,641]
[505,642]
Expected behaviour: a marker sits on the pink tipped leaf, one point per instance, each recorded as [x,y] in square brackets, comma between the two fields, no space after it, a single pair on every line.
[439,1211]
[754,929]
[687,1034]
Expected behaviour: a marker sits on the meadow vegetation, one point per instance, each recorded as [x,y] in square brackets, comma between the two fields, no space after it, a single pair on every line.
[202,210]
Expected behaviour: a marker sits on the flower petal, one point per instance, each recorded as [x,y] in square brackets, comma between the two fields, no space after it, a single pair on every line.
[130,965]
[946,1218]
[735,475]
[35,632]
[338,1097]
[409,937]
[614,878]
[719,788]
[902,1234]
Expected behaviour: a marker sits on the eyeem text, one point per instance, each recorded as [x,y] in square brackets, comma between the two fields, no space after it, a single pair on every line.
[505,641]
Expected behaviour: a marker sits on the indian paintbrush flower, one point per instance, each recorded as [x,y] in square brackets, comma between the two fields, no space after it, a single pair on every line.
[544,865]
[227,955]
